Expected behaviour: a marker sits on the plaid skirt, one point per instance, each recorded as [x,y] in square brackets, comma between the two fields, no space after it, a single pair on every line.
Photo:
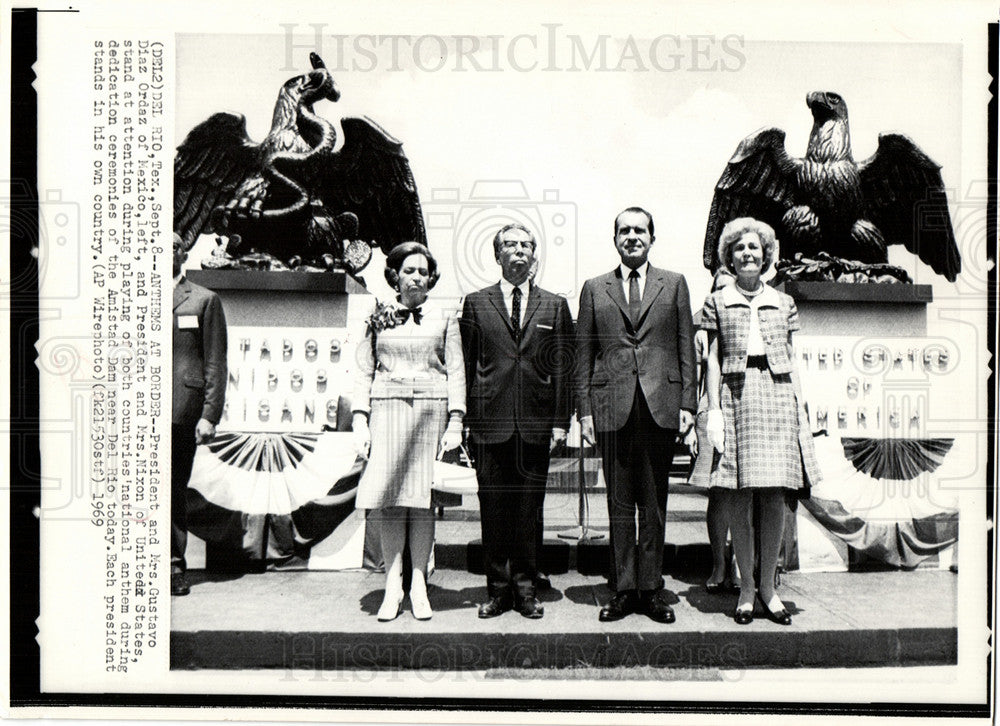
[406,434]
[764,444]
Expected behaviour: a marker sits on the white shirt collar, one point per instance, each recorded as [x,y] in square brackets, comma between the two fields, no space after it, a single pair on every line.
[768,298]
[178,279]
[642,269]
[507,288]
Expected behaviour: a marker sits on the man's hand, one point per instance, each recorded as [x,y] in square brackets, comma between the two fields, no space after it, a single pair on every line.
[587,431]
[204,431]
[362,435]
[558,437]
[716,430]
[686,421]
[691,441]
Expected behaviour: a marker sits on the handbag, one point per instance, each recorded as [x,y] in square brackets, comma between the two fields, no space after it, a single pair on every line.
[453,472]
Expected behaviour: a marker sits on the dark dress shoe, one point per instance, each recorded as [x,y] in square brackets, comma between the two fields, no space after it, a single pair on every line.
[622,604]
[496,605]
[744,616]
[531,608]
[657,609]
[782,617]
[178,584]
[542,583]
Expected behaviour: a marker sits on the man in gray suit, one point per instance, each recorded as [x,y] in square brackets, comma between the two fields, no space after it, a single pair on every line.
[635,387]
[199,395]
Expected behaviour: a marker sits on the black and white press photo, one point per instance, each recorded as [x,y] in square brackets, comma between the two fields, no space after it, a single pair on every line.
[557,361]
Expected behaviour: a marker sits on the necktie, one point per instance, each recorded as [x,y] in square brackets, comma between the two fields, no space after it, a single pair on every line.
[403,313]
[633,297]
[515,313]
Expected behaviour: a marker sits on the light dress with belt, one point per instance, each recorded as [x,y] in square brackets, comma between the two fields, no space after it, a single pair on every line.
[767,437]
[410,381]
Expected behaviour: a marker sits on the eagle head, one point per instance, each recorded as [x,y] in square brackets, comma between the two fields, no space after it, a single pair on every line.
[315,85]
[826,105]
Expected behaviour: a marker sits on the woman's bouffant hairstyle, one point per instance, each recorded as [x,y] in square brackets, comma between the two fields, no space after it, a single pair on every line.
[735,229]
[394,263]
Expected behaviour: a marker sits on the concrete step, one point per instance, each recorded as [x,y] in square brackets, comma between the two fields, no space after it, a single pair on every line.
[326,621]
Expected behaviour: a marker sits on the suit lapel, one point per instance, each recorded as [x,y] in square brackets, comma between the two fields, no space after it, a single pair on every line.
[654,285]
[534,299]
[613,284]
[182,291]
[496,297]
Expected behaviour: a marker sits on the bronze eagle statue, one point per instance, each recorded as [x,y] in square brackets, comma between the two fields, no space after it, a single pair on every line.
[293,197]
[827,205]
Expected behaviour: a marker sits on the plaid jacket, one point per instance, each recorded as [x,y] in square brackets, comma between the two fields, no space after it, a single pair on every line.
[728,312]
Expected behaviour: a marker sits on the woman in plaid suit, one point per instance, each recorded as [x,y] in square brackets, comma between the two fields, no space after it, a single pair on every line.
[756,420]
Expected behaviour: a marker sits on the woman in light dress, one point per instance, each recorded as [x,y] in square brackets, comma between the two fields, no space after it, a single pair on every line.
[408,407]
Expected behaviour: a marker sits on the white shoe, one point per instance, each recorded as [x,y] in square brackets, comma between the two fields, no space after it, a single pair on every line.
[418,598]
[391,601]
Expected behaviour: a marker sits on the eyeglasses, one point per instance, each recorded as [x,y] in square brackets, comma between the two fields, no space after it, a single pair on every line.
[509,244]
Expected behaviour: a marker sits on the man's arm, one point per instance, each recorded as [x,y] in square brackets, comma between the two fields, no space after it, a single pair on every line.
[685,349]
[215,371]
[586,329]
[469,327]
[563,357]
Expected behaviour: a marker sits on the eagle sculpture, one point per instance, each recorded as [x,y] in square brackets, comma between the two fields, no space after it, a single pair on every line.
[840,213]
[292,200]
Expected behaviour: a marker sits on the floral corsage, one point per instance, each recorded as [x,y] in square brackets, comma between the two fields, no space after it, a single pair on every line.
[384,316]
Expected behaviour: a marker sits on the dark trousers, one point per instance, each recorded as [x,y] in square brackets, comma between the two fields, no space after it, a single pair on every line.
[182,450]
[637,461]
[511,495]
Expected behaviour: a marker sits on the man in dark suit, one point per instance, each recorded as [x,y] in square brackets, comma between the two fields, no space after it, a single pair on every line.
[199,395]
[635,385]
[518,342]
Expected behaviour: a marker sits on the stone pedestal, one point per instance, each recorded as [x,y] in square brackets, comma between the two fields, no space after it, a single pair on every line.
[291,347]
[838,308]
[291,355]
[867,368]
[281,299]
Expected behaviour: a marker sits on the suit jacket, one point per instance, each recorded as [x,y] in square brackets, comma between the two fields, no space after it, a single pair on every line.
[199,355]
[526,384]
[613,357]
[728,312]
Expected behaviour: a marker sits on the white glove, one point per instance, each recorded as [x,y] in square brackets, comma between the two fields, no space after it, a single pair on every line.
[716,430]
[452,437]
[362,435]
[204,431]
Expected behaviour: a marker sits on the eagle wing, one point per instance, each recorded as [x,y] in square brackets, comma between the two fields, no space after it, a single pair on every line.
[759,182]
[905,198]
[215,158]
[371,177]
